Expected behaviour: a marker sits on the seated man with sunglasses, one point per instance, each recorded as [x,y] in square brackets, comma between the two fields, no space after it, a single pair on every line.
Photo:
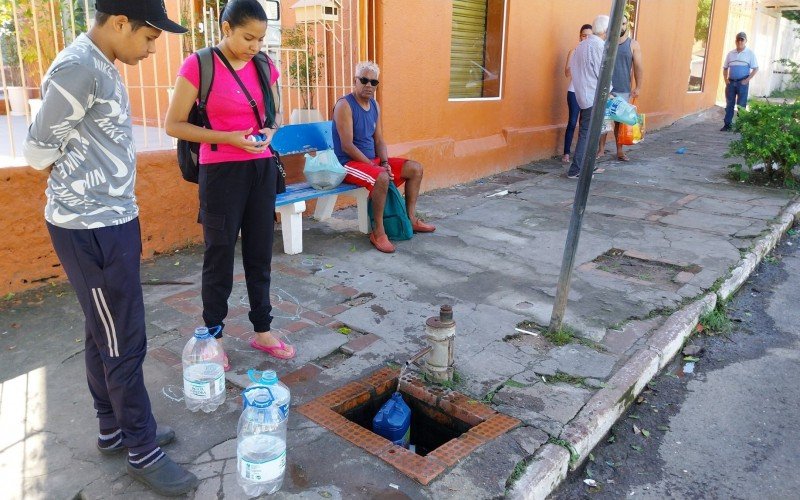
[359,145]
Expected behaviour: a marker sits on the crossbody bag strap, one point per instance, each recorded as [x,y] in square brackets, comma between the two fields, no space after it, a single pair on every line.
[250,99]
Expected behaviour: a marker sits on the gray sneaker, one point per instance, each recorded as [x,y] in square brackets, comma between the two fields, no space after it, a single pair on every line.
[165,477]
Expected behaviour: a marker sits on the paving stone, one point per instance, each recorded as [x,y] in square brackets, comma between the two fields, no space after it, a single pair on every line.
[230,487]
[559,402]
[208,469]
[359,343]
[543,366]
[224,450]
[529,438]
[582,361]
[752,231]
[619,341]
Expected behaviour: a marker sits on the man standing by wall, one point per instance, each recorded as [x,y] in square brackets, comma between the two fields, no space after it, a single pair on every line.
[740,67]
[629,55]
[585,68]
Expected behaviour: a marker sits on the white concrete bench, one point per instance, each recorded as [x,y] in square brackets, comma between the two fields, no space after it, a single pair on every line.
[302,138]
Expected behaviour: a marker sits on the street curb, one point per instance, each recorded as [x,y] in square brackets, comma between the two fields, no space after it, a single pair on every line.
[549,466]
[546,470]
[741,272]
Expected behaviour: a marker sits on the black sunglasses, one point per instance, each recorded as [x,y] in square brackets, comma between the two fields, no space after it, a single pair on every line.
[365,80]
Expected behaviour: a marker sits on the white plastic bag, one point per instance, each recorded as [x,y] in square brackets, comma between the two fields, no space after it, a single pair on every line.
[323,171]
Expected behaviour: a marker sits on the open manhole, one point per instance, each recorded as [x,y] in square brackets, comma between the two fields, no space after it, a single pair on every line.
[446,425]
[645,269]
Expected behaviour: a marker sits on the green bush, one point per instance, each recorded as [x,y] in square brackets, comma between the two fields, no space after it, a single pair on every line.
[770,135]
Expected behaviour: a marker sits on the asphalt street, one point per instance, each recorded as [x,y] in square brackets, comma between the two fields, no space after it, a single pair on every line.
[727,430]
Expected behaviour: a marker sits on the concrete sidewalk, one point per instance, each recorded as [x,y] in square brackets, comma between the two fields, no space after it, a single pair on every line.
[659,232]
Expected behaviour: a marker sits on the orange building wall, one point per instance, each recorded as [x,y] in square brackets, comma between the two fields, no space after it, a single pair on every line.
[168,216]
[460,141]
[456,141]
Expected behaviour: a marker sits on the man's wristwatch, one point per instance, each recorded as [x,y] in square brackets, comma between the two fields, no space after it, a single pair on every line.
[384,162]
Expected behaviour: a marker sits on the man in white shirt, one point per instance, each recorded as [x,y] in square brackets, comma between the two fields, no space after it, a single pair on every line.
[740,67]
[585,68]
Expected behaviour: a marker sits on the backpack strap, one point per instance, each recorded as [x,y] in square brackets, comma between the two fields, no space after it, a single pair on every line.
[205,61]
[263,63]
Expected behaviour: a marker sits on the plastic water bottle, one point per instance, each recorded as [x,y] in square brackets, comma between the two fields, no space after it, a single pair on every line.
[203,372]
[278,389]
[260,443]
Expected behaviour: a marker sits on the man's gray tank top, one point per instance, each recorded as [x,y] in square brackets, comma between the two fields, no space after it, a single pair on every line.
[621,78]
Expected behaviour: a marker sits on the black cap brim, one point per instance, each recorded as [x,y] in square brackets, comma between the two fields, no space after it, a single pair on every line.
[168,25]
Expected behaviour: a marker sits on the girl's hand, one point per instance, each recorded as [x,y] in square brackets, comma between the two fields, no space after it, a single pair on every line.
[238,138]
[268,132]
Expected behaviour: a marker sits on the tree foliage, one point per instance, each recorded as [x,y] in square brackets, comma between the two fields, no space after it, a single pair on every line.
[703,20]
[792,15]
[304,67]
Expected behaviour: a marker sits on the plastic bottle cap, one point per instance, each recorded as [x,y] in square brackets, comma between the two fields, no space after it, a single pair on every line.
[201,332]
[269,377]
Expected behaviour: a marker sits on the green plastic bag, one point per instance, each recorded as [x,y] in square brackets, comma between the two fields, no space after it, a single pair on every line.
[395,219]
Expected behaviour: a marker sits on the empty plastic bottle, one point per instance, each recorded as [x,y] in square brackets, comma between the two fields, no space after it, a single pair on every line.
[619,110]
[203,373]
[277,388]
[260,443]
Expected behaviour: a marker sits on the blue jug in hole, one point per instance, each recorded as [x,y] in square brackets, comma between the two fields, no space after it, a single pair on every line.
[393,421]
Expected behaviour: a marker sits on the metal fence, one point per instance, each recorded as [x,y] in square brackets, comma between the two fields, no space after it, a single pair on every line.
[315,48]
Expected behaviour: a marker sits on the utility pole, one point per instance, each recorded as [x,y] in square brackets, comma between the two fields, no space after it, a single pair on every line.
[585,180]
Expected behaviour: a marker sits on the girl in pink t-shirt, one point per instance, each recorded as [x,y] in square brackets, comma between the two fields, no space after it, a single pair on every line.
[238,176]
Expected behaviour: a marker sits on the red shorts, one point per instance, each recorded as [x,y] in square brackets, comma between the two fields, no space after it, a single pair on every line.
[364,174]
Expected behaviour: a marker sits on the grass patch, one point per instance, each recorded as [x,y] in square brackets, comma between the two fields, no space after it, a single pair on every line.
[447,384]
[514,384]
[519,470]
[562,336]
[490,395]
[590,343]
[567,379]
[574,456]
[716,321]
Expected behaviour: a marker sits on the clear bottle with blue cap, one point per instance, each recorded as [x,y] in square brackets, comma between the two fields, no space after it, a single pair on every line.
[279,390]
[203,372]
[260,443]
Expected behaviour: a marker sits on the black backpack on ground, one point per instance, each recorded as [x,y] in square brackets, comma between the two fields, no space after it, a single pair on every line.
[188,152]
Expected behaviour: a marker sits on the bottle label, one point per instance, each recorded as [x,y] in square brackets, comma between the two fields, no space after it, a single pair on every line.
[263,471]
[284,409]
[202,389]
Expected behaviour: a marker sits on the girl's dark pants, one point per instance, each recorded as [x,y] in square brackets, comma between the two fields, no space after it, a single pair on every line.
[237,196]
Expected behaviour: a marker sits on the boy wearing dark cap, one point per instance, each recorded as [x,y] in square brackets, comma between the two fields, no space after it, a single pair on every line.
[740,67]
[82,135]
